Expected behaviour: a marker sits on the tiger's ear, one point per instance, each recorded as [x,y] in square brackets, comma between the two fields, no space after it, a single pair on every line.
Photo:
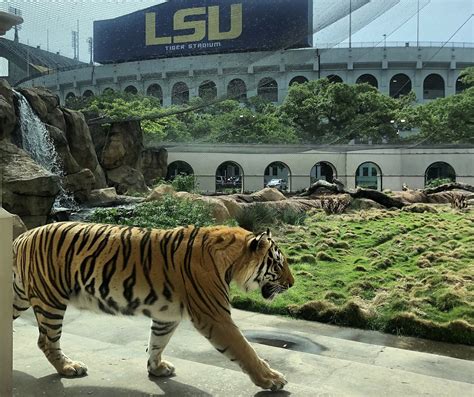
[257,241]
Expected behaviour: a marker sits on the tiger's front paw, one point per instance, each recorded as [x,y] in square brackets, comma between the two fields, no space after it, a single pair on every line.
[163,368]
[269,378]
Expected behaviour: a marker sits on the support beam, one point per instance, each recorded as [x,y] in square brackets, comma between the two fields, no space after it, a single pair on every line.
[6,294]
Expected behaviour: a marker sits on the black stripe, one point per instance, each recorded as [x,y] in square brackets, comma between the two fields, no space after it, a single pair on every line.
[107,273]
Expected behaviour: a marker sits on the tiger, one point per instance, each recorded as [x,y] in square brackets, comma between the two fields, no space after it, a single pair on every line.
[166,275]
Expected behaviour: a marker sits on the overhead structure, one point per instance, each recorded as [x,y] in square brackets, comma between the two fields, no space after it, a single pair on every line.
[7,21]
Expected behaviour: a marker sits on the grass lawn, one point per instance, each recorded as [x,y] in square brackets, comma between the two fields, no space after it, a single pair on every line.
[394,271]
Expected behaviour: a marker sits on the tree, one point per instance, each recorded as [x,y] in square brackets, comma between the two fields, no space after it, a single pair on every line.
[467,76]
[326,112]
[448,120]
[243,125]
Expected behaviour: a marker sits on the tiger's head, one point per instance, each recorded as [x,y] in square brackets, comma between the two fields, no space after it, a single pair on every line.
[270,271]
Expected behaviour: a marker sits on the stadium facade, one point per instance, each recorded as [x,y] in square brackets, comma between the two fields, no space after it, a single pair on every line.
[395,69]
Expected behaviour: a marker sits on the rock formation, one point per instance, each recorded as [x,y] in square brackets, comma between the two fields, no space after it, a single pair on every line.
[113,157]
[28,190]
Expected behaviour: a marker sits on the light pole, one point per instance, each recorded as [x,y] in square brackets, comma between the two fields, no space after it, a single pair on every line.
[350,23]
[384,40]
[418,24]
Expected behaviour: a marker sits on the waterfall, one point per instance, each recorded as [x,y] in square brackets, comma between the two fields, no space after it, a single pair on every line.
[38,144]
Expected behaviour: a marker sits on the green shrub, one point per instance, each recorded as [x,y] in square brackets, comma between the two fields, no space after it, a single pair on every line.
[184,183]
[257,217]
[167,213]
[438,182]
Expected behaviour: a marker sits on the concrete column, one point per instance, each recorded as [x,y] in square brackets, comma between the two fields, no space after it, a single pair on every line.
[6,294]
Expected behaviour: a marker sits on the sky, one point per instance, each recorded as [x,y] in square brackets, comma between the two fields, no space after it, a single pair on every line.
[49,23]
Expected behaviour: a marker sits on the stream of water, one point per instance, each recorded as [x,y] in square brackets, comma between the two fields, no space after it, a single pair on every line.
[38,144]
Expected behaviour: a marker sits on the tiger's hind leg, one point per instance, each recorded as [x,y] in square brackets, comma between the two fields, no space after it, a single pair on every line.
[160,335]
[50,322]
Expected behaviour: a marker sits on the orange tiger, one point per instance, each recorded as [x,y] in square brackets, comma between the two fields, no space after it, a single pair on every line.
[166,275]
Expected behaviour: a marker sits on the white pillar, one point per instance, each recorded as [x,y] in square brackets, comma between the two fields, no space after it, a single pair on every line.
[6,294]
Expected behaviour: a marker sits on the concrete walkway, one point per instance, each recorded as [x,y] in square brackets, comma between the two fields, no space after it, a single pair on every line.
[317,359]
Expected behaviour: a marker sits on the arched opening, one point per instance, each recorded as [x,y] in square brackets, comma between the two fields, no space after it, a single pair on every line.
[369,79]
[268,89]
[207,90]
[278,176]
[334,78]
[433,87]
[131,89]
[178,168]
[88,94]
[369,176]
[70,97]
[180,94]
[298,80]
[236,89]
[323,170]
[439,172]
[400,85]
[460,86]
[229,177]
[4,67]
[108,91]
[155,91]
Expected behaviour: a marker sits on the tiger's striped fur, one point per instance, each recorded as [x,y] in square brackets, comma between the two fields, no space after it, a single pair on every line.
[166,275]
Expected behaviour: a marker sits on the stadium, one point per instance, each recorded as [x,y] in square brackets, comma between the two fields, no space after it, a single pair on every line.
[178,50]
[132,54]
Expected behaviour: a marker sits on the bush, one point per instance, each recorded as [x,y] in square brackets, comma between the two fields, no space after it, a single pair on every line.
[257,217]
[167,213]
[184,183]
[438,182]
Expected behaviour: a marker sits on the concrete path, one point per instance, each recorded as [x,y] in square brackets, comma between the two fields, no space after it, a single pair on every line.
[317,359]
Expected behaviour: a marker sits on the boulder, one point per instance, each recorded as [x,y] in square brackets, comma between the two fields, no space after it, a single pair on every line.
[82,147]
[56,118]
[28,190]
[19,226]
[108,197]
[126,179]
[219,210]
[233,207]
[102,197]
[123,146]
[35,102]
[362,204]
[268,194]
[8,118]
[154,164]
[420,208]
[49,99]
[67,162]
[6,91]
[80,184]
[114,153]
[158,192]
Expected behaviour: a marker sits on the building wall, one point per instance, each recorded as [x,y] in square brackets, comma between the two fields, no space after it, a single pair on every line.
[397,165]
[349,64]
